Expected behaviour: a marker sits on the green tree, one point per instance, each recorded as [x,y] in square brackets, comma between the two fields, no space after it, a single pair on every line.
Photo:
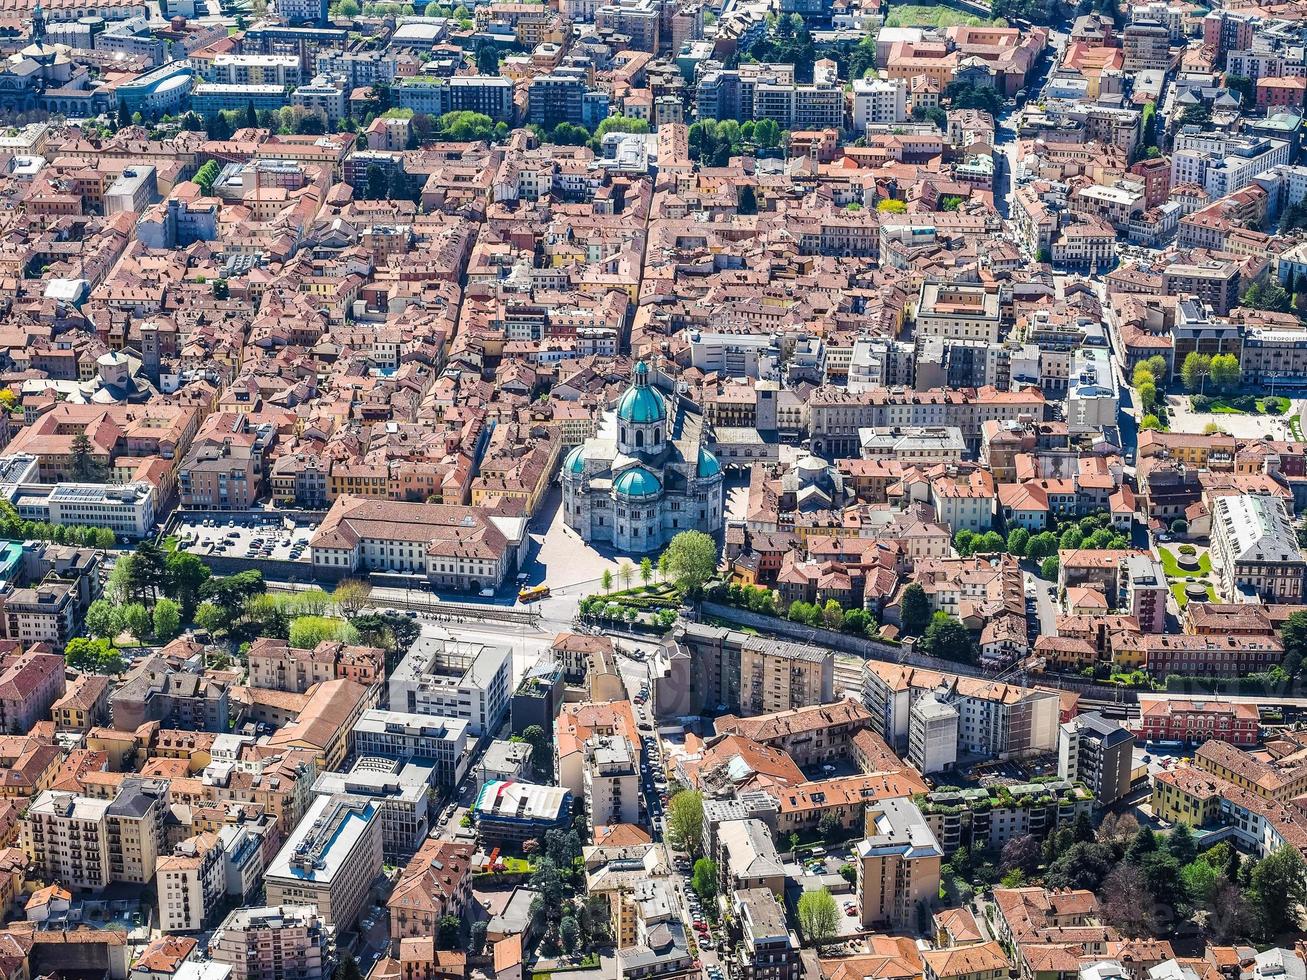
[964,542]
[306,632]
[376,183]
[349,967]
[685,820]
[948,639]
[137,620]
[569,134]
[351,595]
[1225,372]
[646,570]
[1018,540]
[1042,545]
[1147,395]
[1200,881]
[832,615]
[914,609]
[569,934]
[104,619]
[149,571]
[829,825]
[1180,843]
[818,916]
[1294,637]
[1278,889]
[447,932]
[704,881]
[124,114]
[1195,371]
[167,620]
[891,205]
[85,467]
[1150,422]
[487,57]
[691,560]
[92,656]
[747,200]
[251,116]
[185,574]
[541,753]
[209,616]
[1049,568]
[477,937]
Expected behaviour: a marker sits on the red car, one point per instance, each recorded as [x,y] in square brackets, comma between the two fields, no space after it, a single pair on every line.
[852,910]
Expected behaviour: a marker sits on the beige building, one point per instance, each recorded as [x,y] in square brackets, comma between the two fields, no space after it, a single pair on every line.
[87,843]
[958,310]
[898,867]
[190,882]
[272,943]
[779,676]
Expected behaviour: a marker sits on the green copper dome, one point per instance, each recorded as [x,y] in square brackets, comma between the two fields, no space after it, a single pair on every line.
[574,463]
[638,482]
[708,465]
[640,404]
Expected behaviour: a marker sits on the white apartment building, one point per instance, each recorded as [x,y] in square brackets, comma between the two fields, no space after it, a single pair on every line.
[454,679]
[933,734]
[274,942]
[127,509]
[1223,163]
[612,781]
[879,102]
[1255,551]
[66,838]
[254,69]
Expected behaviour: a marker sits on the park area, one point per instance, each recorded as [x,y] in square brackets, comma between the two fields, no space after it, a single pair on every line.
[1188,573]
[921,15]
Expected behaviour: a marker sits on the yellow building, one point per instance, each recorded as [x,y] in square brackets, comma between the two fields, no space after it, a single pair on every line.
[1275,781]
[1186,796]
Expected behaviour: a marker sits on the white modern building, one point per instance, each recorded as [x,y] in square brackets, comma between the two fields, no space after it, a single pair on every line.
[1255,551]
[454,679]
[933,734]
[330,860]
[1222,163]
[879,102]
[403,791]
[440,742]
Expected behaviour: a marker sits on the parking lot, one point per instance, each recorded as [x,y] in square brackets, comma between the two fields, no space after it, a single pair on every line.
[270,538]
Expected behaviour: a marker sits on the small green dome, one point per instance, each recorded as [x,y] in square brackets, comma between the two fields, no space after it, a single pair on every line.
[575,462]
[638,482]
[708,465]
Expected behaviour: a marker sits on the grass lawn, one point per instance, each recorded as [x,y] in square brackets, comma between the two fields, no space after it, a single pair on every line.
[919,15]
[1295,426]
[1177,590]
[1222,406]
[1173,569]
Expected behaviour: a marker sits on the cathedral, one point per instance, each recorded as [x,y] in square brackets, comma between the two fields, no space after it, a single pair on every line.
[646,476]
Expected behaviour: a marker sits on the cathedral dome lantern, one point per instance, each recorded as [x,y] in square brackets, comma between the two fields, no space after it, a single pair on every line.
[641,415]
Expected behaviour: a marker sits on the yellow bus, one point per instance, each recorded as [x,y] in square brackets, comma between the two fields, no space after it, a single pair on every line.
[532,593]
